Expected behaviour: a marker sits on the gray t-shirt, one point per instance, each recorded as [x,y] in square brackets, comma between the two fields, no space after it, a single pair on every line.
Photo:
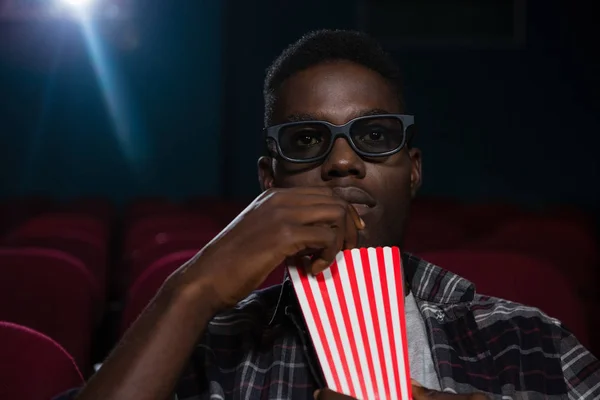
[422,369]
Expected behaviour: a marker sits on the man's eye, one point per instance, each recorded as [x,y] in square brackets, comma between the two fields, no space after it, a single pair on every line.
[307,139]
[374,134]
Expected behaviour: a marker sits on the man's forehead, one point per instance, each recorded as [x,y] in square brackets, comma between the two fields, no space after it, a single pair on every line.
[334,116]
[336,93]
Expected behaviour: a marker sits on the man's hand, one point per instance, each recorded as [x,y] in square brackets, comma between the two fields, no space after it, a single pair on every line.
[326,394]
[280,223]
[418,393]
[421,393]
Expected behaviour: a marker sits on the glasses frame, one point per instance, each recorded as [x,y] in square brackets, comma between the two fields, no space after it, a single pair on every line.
[272,133]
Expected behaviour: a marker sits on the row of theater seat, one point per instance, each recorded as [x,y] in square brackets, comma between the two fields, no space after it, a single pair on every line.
[60,266]
[34,366]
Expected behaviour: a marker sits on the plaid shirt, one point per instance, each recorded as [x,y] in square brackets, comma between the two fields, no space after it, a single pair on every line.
[261,349]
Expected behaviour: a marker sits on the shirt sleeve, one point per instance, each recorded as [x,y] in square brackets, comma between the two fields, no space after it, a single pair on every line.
[581,369]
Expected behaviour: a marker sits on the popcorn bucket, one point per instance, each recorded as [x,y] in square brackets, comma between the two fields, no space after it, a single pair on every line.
[354,312]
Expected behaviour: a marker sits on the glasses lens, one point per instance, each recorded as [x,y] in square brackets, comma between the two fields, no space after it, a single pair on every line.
[304,141]
[377,135]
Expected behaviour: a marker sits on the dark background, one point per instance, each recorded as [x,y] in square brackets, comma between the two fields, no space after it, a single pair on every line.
[169,100]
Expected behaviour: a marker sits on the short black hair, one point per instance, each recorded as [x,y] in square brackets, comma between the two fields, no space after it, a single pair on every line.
[324,46]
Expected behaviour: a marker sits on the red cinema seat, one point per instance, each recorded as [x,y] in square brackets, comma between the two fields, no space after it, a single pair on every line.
[82,236]
[15,211]
[68,221]
[97,207]
[145,229]
[51,292]
[520,278]
[85,249]
[164,244]
[144,207]
[434,205]
[564,243]
[429,232]
[34,367]
[149,282]
[481,218]
[224,210]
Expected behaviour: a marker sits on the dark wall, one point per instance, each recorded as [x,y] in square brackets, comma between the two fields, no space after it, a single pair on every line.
[256,34]
[511,122]
[515,122]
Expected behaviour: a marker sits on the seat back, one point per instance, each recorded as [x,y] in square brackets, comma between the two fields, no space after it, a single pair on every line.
[565,244]
[145,229]
[149,282]
[33,366]
[51,292]
[152,278]
[520,278]
[164,244]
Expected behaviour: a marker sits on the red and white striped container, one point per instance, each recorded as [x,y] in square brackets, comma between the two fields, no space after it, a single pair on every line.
[354,312]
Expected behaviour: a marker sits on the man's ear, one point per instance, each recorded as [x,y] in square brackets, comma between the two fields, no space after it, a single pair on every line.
[265,173]
[416,174]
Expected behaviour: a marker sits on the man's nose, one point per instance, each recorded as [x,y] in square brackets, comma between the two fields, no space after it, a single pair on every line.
[342,161]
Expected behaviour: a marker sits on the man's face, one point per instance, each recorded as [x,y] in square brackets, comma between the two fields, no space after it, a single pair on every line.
[337,93]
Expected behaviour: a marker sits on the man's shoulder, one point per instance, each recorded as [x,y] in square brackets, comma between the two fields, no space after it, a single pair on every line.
[489,309]
[440,288]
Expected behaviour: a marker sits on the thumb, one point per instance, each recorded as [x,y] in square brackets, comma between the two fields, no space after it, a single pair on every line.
[418,391]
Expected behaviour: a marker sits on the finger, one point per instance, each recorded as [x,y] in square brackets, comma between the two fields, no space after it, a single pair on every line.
[319,196]
[418,392]
[351,232]
[358,221]
[326,240]
[319,213]
[298,238]
[287,195]
[340,227]
[421,393]
[415,383]
[326,394]
[335,215]
[326,191]
[329,253]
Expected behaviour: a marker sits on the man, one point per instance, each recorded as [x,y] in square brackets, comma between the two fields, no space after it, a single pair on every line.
[340,173]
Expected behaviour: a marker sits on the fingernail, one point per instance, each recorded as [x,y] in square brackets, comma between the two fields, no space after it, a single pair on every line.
[362,223]
[316,394]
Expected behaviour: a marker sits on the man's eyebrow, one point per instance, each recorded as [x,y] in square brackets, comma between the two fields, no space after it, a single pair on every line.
[311,117]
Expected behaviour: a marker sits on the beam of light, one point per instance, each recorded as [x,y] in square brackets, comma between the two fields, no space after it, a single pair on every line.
[30,170]
[79,9]
[128,132]
[78,3]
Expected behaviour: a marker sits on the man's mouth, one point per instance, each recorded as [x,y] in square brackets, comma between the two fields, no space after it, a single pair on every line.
[358,198]
[361,209]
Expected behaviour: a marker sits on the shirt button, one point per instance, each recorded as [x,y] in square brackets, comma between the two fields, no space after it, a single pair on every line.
[439,315]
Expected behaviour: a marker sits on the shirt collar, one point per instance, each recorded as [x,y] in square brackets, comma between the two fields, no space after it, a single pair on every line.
[437,285]
[286,299]
[428,282]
